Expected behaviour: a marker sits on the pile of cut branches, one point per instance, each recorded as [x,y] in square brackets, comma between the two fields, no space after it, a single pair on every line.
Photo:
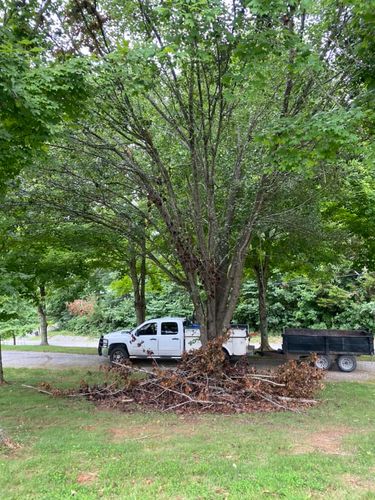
[204,382]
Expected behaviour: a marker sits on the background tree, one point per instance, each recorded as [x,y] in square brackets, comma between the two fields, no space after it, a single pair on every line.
[294,238]
[35,257]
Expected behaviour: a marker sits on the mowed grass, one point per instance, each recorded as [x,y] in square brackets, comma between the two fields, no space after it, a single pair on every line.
[366,358]
[50,348]
[69,448]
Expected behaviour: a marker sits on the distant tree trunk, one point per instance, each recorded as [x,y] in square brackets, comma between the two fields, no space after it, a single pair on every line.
[42,312]
[137,269]
[14,339]
[2,380]
[261,271]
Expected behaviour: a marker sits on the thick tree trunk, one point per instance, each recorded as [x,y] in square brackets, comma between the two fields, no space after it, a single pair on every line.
[138,277]
[216,311]
[2,381]
[140,310]
[261,271]
[42,312]
[220,276]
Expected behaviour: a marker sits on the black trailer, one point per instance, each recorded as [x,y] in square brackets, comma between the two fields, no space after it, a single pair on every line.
[341,346]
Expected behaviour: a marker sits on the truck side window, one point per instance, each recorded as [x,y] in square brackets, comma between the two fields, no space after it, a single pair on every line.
[169,329]
[149,329]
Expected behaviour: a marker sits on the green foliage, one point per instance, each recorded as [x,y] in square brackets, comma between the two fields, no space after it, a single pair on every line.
[335,299]
[170,301]
[112,311]
[122,286]
[17,316]
[36,93]
[346,301]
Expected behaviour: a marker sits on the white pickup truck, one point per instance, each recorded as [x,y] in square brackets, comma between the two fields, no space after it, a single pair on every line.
[165,338]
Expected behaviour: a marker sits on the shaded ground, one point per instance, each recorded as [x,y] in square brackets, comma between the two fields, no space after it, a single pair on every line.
[22,359]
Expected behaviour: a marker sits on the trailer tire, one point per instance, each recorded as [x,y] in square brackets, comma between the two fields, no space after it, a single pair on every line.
[323,361]
[347,363]
[118,354]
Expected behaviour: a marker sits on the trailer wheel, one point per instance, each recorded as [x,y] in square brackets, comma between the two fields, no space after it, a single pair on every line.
[347,363]
[323,362]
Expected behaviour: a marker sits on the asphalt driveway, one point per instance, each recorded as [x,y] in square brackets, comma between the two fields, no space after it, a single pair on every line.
[51,360]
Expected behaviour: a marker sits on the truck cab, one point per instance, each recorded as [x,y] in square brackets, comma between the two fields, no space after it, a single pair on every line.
[167,337]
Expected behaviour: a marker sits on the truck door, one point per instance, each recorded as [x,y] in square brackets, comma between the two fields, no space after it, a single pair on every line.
[170,339]
[145,342]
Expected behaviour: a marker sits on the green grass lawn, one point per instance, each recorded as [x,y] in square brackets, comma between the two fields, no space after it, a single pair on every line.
[366,358]
[69,448]
[50,348]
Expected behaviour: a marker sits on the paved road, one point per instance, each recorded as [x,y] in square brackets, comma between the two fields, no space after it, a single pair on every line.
[23,359]
[59,340]
[54,360]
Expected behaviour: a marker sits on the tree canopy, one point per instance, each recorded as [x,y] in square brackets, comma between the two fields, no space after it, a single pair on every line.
[184,126]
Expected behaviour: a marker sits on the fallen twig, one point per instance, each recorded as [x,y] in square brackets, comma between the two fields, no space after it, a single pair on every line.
[38,389]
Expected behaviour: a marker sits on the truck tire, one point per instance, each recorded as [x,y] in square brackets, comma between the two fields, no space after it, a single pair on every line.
[323,361]
[347,363]
[227,356]
[118,354]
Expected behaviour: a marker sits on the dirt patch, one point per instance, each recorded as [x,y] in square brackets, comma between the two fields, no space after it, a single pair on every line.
[147,481]
[89,427]
[221,492]
[87,477]
[327,441]
[359,483]
[131,432]
[7,443]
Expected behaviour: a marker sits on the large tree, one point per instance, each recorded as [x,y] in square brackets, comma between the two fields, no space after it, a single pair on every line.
[202,113]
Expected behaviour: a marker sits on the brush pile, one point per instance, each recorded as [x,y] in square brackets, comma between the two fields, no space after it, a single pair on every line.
[204,382]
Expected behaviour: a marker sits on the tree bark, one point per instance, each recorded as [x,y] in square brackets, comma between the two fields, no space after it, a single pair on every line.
[138,278]
[261,270]
[2,380]
[42,312]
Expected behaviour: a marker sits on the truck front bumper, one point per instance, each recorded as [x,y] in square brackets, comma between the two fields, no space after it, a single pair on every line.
[103,347]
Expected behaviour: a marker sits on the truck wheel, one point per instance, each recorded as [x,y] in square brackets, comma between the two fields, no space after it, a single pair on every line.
[118,355]
[347,363]
[323,362]
[227,357]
